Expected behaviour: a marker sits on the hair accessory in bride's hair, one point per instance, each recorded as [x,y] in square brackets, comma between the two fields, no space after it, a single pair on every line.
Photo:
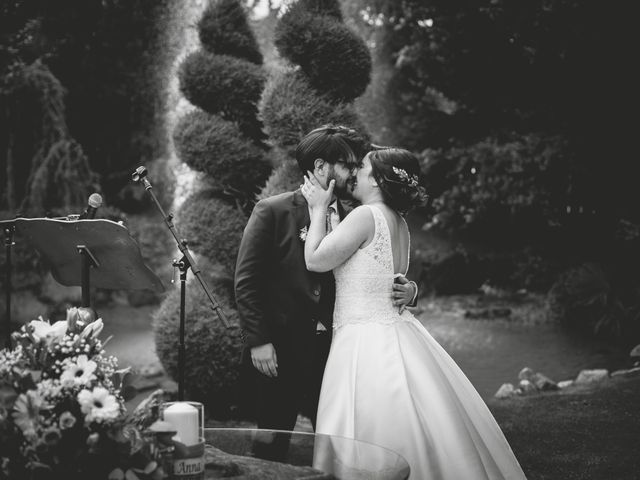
[411,180]
[333,129]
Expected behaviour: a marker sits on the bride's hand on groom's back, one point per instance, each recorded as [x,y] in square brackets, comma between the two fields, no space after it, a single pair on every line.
[265,360]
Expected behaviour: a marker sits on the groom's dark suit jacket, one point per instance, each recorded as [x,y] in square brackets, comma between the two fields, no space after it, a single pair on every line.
[278,299]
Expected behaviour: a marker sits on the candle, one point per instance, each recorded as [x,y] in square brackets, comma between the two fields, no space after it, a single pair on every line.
[184,418]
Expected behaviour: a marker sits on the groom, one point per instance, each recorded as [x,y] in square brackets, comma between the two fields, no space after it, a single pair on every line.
[286,312]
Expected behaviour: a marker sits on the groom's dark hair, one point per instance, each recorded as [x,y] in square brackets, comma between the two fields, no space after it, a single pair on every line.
[333,144]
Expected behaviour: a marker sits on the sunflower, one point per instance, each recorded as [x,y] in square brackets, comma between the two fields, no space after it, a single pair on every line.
[98,405]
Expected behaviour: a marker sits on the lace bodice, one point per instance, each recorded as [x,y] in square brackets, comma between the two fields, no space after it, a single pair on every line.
[364,283]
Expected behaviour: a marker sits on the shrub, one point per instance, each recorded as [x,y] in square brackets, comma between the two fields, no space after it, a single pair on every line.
[462,271]
[210,144]
[224,29]
[334,58]
[594,300]
[212,226]
[224,85]
[291,108]
[503,189]
[457,272]
[580,296]
[45,167]
[285,178]
[212,363]
[530,269]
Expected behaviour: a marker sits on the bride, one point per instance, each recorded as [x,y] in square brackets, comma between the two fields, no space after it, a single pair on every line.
[387,381]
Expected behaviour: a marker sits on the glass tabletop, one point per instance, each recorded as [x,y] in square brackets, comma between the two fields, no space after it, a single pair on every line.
[254,453]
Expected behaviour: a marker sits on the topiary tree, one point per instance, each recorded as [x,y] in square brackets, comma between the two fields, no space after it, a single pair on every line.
[329,66]
[224,28]
[223,139]
[207,217]
[226,86]
[335,60]
[225,80]
[215,146]
[292,107]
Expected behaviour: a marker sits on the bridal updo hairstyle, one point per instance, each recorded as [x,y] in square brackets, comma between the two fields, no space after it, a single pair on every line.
[333,144]
[397,173]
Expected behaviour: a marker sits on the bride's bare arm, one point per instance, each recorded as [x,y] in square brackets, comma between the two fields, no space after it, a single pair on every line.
[324,252]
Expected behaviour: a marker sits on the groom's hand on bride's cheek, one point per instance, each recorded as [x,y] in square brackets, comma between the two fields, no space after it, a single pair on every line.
[265,360]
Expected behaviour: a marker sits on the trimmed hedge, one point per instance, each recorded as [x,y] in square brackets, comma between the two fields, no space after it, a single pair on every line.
[336,60]
[224,29]
[212,226]
[210,144]
[224,85]
[285,178]
[212,363]
[291,108]
[330,8]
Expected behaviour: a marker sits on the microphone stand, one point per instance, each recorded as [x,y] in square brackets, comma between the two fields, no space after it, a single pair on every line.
[184,264]
[9,230]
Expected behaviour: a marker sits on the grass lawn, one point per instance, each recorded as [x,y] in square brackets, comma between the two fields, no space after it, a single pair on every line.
[581,434]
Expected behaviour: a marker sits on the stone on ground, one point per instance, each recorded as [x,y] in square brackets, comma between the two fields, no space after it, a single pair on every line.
[592,376]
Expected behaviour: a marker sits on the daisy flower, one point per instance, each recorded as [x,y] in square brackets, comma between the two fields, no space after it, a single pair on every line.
[79,373]
[27,412]
[98,405]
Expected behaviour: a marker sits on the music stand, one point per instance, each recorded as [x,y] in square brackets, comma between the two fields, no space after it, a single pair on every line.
[89,252]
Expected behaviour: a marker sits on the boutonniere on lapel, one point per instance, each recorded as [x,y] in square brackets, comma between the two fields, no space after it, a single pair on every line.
[303,233]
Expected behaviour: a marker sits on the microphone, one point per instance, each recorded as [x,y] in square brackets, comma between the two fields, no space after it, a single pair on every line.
[95,200]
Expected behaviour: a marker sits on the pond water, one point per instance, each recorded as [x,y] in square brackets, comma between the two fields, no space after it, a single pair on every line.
[492,352]
[489,352]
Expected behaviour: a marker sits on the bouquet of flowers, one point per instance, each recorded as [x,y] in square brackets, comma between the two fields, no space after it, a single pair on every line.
[62,414]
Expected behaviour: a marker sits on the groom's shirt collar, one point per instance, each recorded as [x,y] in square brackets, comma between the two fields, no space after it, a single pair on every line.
[333,205]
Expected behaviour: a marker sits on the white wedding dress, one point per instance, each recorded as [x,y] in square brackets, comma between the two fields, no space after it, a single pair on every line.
[388,382]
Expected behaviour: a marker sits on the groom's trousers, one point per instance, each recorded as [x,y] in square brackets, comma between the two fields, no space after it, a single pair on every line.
[295,390]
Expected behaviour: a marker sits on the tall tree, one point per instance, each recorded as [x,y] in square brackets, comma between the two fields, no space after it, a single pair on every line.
[327,67]
[465,71]
[105,55]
